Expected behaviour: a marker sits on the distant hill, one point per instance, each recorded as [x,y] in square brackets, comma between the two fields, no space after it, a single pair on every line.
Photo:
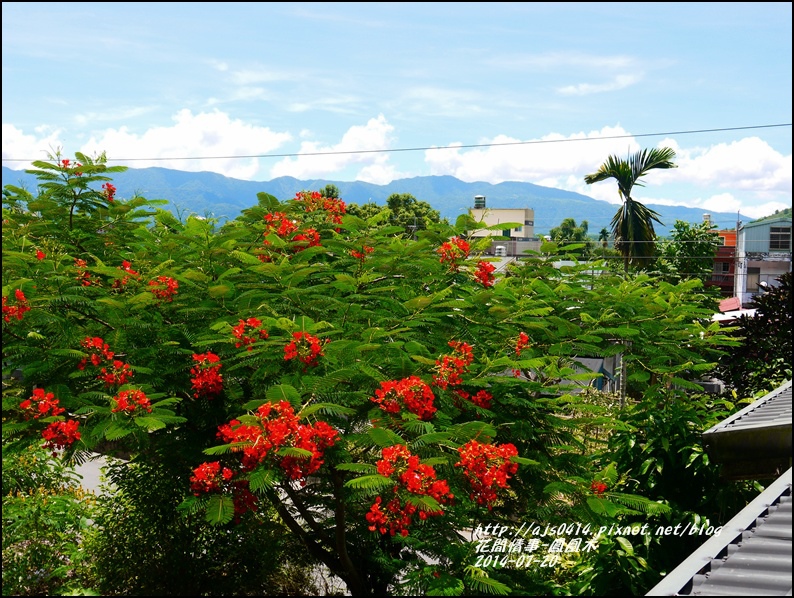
[205,193]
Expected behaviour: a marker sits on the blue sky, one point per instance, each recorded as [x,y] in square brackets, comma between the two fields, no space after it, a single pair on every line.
[535,92]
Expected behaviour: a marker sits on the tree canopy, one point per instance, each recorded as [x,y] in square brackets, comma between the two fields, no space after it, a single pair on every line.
[378,392]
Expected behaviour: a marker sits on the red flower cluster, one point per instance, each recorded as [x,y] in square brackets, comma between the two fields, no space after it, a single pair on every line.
[336,208]
[411,392]
[125,267]
[109,191]
[40,255]
[244,340]
[307,238]
[117,374]
[598,488]
[18,310]
[60,434]
[279,223]
[207,380]
[209,477]
[361,255]
[521,342]
[314,200]
[482,398]
[487,467]
[484,273]
[83,276]
[453,252]
[164,288]
[450,368]
[414,477]
[305,348]
[129,401]
[41,404]
[278,427]
[98,350]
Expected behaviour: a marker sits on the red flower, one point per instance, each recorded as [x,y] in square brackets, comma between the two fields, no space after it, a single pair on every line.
[279,223]
[60,434]
[522,342]
[163,287]
[239,332]
[41,404]
[453,252]
[277,427]
[119,373]
[209,477]
[207,380]
[484,273]
[413,477]
[309,236]
[305,348]
[482,398]
[129,401]
[83,276]
[487,467]
[40,255]
[361,255]
[412,393]
[125,267]
[18,310]
[598,488]
[109,191]
[450,368]
[98,350]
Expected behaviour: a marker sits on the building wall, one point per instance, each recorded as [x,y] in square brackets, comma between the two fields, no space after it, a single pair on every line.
[724,269]
[756,262]
[524,217]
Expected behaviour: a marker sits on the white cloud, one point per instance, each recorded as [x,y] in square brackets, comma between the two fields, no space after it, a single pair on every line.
[750,165]
[756,178]
[375,135]
[24,148]
[584,89]
[191,136]
[547,161]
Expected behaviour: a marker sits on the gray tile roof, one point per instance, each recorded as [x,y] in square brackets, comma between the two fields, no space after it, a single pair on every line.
[750,557]
[756,441]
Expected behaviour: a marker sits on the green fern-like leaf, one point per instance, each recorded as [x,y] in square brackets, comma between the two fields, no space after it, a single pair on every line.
[262,479]
[384,437]
[371,483]
[326,408]
[220,509]
[357,467]
[479,581]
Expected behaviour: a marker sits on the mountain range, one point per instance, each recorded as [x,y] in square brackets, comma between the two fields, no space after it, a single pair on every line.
[208,193]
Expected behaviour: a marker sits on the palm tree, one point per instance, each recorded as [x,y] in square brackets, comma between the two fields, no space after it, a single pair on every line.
[632,225]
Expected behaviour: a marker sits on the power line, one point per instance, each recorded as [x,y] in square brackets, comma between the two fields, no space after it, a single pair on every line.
[428,148]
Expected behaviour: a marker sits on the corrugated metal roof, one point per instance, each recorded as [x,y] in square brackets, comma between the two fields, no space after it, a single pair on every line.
[756,441]
[774,408]
[750,557]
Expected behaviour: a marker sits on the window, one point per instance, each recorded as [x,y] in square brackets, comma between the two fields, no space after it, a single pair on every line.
[780,238]
[518,229]
[722,267]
